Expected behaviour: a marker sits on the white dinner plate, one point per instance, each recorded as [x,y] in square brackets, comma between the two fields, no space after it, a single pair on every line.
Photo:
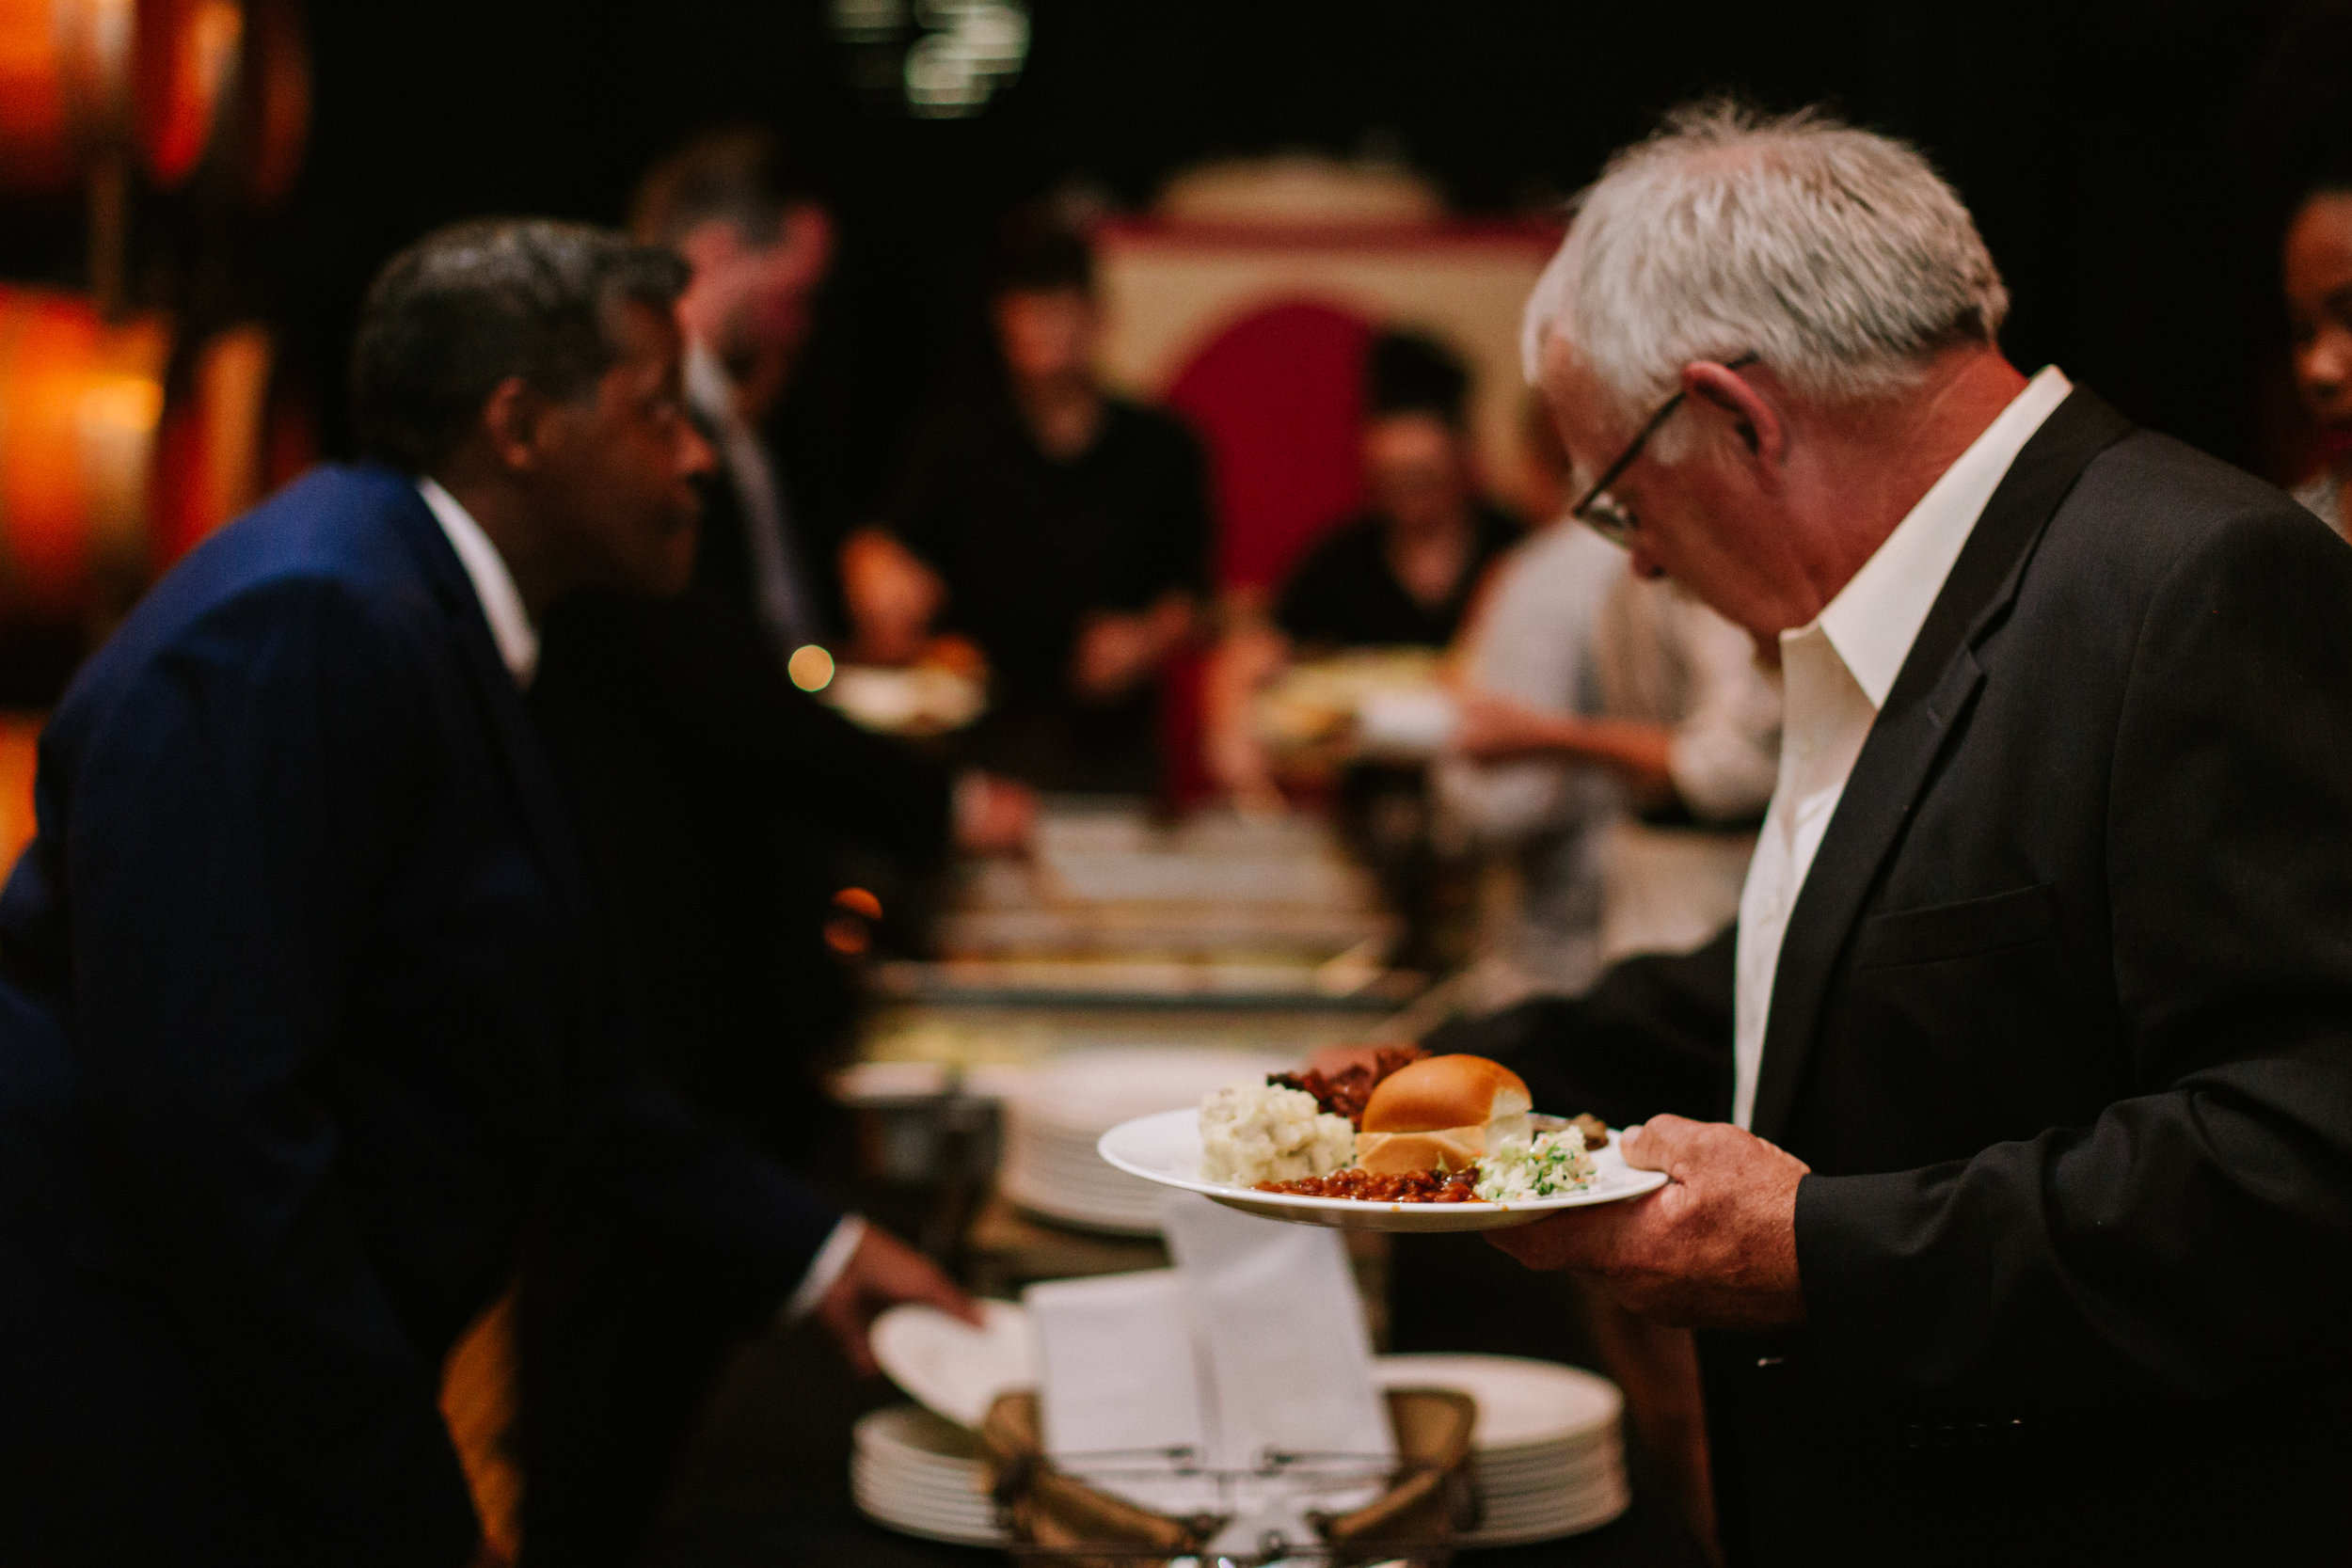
[1522,1403]
[952,1368]
[1164,1147]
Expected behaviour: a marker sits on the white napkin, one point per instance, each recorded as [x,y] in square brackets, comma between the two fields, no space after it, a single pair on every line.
[1117,1371]
[1254,1344]
[1282,1329]
[1288,1362]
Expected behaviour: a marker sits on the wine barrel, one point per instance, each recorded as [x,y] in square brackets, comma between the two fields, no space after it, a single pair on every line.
[80,402]
[116,460]
[20,758]
[183,70]
[234,429]
[266,121]
[65,88]
[191,84]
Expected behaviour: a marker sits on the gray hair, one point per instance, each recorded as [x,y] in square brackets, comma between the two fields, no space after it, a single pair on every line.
[468,306]
[1835,255]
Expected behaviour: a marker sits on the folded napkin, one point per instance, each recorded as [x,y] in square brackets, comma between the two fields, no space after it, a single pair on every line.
[1118,1376]
[1288,1359]
[1252,1353]
[1282,1331]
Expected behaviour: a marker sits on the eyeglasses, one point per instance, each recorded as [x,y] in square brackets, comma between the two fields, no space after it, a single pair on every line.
[1599,511]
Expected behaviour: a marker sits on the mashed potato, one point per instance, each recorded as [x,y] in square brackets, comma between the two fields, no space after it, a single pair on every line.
[1545,1166]
[1253,1132]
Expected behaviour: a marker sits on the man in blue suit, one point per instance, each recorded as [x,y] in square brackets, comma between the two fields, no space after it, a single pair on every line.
[307,992]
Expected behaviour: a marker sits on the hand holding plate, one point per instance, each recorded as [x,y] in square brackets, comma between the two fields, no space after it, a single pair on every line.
[1716,1248]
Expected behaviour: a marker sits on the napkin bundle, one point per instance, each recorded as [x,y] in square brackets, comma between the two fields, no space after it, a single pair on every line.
[1252,1353]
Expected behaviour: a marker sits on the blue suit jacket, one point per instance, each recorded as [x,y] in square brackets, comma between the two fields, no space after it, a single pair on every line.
[306,989]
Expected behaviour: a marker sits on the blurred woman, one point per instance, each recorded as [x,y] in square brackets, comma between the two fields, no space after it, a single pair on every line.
[2317,270]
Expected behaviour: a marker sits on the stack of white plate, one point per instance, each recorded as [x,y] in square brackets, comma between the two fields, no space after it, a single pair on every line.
[1057,1112]
[1548,1449]
[915,1472]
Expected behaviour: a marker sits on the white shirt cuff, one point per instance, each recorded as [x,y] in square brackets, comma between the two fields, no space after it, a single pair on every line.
[824,1268]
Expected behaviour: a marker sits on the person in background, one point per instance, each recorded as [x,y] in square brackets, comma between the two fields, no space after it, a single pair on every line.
[1063,529]
[1402,574]
[2316,267]
[308,997]
[1617,740]
[729,808]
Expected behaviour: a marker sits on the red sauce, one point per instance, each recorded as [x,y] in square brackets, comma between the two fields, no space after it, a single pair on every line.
[1419,1186]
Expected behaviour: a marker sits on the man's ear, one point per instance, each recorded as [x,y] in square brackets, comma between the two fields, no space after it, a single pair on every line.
[1752,417]
[514,418]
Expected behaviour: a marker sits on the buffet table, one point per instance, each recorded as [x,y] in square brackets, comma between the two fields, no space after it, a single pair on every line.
[1129,965]
[763,1482]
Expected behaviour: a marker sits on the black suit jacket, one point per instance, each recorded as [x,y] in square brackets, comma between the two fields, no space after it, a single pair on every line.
[730,806]
[2063,1025]
[306,996]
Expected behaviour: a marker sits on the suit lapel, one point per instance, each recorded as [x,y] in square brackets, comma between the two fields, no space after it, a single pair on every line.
[1929,699]
[546,816]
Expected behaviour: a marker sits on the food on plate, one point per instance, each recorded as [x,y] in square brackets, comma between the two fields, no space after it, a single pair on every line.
[1541,1167]
[1343,1093]
[1413,1186]
[1255,1132]
[1442,1112]
[1408,1128]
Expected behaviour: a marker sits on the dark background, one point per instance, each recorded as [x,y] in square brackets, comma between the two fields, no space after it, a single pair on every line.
[2106,148]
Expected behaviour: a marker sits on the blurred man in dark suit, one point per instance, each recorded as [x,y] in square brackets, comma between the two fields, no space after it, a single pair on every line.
[729,807]
[721,793]
[307,994]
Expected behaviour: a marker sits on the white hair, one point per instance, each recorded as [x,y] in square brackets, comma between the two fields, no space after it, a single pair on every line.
[1837,256]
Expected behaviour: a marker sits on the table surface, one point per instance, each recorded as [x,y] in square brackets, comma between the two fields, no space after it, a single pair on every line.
[766,1480]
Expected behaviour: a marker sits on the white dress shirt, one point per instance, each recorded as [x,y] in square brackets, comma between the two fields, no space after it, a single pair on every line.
[1836,674]
[517,642]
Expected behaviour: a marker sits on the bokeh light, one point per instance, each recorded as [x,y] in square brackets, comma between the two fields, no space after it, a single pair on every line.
[810,667]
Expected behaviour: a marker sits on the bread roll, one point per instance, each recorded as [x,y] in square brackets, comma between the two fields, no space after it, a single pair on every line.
[1440,1114]
[1399,1153]
[1445,1091]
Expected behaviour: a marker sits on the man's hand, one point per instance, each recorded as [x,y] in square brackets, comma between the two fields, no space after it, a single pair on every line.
[1119,650]
[1714,1248]
[1495,729]
[891,595]
[884,1271]
[1115,653]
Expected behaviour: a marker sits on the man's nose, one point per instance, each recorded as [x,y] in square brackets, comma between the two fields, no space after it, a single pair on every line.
[695,457]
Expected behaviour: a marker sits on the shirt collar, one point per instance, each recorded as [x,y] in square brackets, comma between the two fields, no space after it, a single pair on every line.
[517,640]
[707,386]
[1876,617]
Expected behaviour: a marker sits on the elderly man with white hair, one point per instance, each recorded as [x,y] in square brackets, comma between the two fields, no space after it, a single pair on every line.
[2011,1129]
